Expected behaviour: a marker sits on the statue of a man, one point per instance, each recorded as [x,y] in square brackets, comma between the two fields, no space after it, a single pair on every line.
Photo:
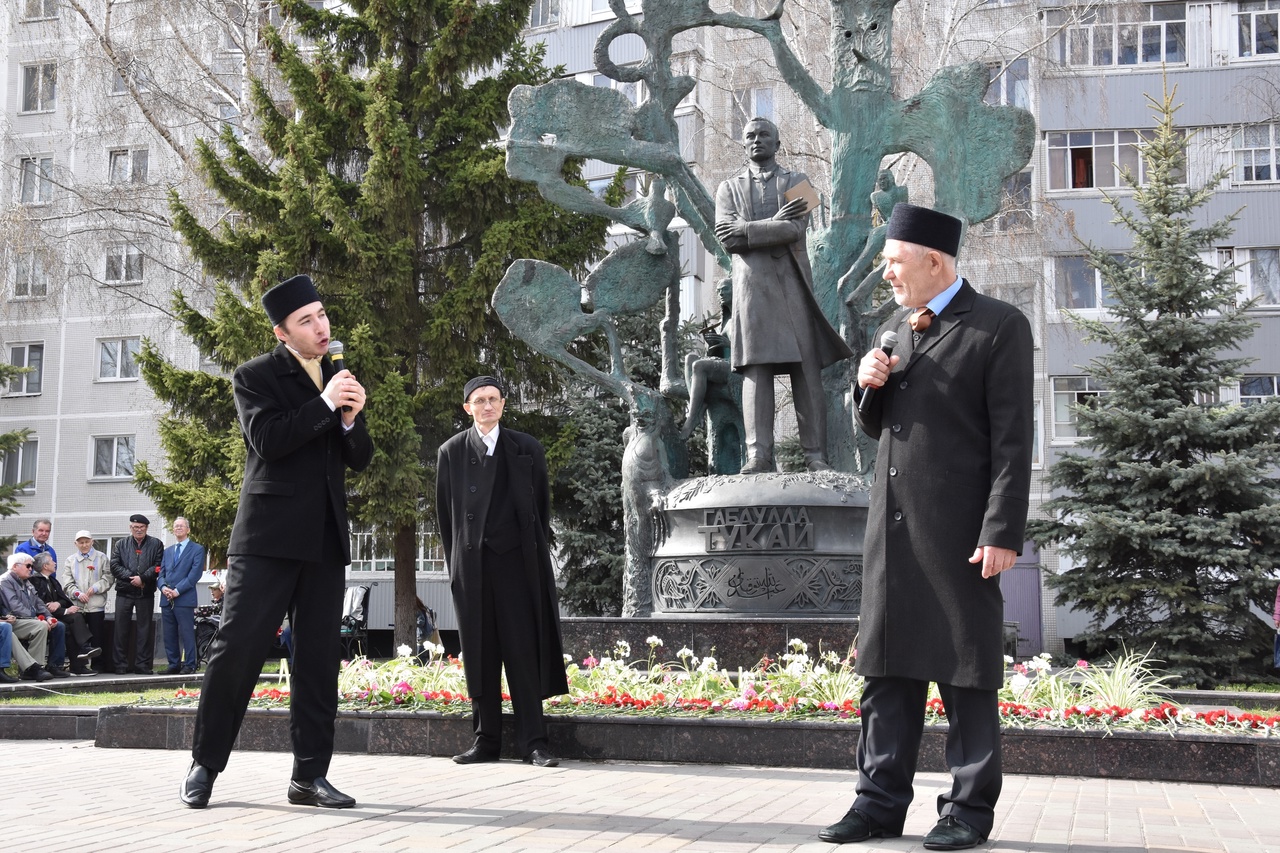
[777,326]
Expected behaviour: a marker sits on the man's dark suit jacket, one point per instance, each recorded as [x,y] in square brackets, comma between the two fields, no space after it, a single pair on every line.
[953,471]
[291,480]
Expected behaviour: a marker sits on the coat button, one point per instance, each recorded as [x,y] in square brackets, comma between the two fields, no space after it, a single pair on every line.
[897,516]
[893,472]
[471,517]
[473,488]
[896,428]
[473,460]
[903,384]
[468,546]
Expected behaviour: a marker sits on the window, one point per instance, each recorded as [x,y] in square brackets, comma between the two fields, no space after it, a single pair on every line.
[1083,159]
[1015,205]
[1258,28]
[1255,390]
[1009,85]
[19,466]
[113,457]
[1071,393]
[127,166]
[1254,151]
[749,104]
[39,87]
[29,276]
[545,13]
[133,69]
[124,264]
[1260,274]
[1037,439]
[1125,34]
[35,182]
[1078,286]
[118,358]
[37,10]
[31,356]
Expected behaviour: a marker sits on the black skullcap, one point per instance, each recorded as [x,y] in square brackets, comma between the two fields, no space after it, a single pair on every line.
[926,227]
[288,296]
[480,382]
[139,518]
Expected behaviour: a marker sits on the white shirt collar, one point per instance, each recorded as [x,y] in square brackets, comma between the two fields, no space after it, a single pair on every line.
[490,440]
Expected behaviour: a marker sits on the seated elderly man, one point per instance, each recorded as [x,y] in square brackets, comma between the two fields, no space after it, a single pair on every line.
[62,608]
[11,652]
[31,624]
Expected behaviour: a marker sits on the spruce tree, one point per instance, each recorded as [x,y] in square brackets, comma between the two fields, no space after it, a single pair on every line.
[11,494]
[382,177]
[1170,513]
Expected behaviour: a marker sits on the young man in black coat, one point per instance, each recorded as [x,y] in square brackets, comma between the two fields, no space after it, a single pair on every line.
[952,410]
[303,428]
[494,507]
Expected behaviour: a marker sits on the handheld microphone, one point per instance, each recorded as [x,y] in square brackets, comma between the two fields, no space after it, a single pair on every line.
[336,351]
[887,342]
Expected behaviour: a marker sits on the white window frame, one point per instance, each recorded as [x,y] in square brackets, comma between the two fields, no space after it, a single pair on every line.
[1094,38]
[39,10]
[1251,144]
[21,385]
[35,179]
[123,165]
[123,346]
[544,14]
[122,253]
[1010,84]
[21,465]
[1108,153]
[128,441]
[1245,25]
[751,102]
[1251,262]
[1255,389]
[1068,394]
[30,278]
[1037,439]
[45,77]
[1065,265]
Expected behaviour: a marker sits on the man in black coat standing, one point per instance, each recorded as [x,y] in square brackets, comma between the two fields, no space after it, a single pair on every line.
[494,507]
[135,564]
[952,410]
[290,544]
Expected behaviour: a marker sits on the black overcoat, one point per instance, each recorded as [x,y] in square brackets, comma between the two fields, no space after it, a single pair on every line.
[953,471]
[289,476]
[463,490]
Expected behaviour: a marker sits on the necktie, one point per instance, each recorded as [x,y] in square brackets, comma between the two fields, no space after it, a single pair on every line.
[919,321]
[312,367]
[178,555]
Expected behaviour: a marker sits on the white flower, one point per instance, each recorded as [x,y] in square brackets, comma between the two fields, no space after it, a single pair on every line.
[1136,716]
[831,658]
[431,648]
[1039,663]
[708,664]
[567,658]
[798,645]
[622,649]
[1018,682]
[1008,659]
[654,642]
[820,670]
[684,653]
[404,651]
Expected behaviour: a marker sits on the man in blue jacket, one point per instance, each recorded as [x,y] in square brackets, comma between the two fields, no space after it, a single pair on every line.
[180,571]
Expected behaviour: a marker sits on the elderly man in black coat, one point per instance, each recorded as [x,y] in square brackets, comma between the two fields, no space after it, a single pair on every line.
[952,409]
[303,426]
[494,506]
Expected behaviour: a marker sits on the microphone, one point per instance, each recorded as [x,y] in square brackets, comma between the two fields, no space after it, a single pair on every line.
[887,342]
[336,351]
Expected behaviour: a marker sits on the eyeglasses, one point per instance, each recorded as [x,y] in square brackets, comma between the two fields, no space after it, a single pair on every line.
[481,403]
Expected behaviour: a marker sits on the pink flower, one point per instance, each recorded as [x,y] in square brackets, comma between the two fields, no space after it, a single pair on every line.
[1082,664]
[590,662]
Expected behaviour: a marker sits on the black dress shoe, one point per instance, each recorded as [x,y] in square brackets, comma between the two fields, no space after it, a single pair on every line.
[475,755]
[89,653]
[58,672]
[951,833]
[318,792]
[171,670]
[541,758]
[6,678]
[35,672]
[197,786]
[146,672]
[187,670]
[856,826]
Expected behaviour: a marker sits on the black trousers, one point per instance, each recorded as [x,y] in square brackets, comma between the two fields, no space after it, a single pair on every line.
[140,610]
[508,637]
[97,622]
[892,725]
[260,593]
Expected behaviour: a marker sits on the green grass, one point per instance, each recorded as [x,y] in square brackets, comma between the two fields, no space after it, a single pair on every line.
[85,699]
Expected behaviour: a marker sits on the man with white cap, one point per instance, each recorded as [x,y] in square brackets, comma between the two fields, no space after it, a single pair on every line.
[86,577]
[303,427]
[952,411]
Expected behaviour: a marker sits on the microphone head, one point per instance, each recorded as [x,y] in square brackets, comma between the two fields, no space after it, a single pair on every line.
[336,349]
[888,340]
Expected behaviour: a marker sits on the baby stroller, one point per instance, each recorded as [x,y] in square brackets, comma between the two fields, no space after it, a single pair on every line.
[208,618]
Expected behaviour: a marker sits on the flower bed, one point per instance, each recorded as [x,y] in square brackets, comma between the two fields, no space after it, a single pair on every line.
[1125,695]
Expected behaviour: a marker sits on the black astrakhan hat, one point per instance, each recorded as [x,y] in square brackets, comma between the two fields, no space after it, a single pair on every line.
[288,296]
[480,382]
[925,227]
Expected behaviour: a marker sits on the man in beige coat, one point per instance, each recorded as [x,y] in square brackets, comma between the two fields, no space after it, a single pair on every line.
[86,577]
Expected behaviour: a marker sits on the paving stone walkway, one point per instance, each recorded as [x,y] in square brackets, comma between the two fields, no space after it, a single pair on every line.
[81,798]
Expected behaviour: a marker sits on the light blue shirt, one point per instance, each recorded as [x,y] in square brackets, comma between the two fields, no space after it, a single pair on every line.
[943,299]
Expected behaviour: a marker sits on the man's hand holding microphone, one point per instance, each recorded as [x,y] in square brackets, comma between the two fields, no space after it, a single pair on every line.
[343,391]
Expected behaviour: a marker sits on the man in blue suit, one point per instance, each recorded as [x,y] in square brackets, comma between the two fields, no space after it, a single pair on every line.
[180,571]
